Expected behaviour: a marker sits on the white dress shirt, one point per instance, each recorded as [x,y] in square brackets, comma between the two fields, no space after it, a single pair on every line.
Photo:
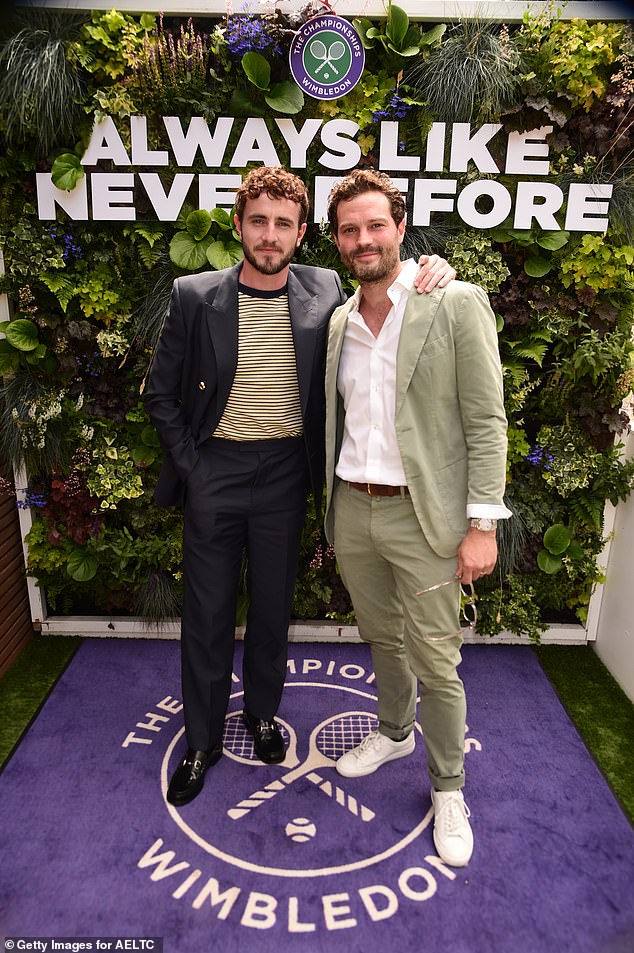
[366,380]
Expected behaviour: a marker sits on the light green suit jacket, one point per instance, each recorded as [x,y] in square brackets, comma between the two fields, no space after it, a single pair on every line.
[449,413]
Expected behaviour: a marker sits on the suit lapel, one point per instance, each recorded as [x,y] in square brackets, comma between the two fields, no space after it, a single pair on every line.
[334,421]
[302,307]
[417,321]
[222,327]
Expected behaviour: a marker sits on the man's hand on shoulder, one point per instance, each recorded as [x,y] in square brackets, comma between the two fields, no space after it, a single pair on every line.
[433,272]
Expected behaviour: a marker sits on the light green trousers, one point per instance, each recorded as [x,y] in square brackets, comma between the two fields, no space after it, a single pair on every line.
[384,561]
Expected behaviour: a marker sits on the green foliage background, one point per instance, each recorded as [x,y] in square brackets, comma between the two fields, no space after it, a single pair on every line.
[90,297]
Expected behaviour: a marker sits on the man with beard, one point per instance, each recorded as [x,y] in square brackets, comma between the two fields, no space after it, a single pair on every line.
[415,474]
[236,395]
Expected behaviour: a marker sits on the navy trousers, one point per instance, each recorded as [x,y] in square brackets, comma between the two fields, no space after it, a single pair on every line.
[241,496]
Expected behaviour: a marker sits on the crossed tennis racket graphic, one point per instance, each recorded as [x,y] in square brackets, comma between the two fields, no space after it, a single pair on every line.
[334,52]
[331,738]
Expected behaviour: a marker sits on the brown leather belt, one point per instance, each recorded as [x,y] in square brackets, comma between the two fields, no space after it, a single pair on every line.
[379,489]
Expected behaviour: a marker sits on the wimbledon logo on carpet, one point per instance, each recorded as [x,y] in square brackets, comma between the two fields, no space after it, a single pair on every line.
[296,847]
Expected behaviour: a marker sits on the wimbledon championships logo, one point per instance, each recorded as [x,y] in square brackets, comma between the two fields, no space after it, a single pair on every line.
[327,57]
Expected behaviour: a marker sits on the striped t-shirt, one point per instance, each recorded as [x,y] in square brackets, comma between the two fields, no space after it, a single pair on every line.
[264,399]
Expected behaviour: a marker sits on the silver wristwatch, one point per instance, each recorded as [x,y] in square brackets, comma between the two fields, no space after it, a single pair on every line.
[483,523]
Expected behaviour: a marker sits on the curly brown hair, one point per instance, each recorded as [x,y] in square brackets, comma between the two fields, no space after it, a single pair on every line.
[278,184]
[365,180]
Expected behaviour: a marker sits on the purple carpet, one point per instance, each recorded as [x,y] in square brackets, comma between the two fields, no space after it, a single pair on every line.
[293,857]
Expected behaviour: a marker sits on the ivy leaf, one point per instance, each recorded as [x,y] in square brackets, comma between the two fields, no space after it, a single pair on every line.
[557,539]
[198,223]
[537,267]
[66,172]
[81,565]
[553,240]
[257,69]
[549,563]
[285,97]
[22,334]
[187,253]
[222,256]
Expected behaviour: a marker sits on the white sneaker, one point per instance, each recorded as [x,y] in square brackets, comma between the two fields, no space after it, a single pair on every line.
[375,749]
[453,836]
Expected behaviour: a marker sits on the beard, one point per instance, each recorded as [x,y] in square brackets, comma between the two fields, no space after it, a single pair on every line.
[268,263]
[375,271]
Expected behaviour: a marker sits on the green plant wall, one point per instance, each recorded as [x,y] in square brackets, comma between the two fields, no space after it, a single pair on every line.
[89,297]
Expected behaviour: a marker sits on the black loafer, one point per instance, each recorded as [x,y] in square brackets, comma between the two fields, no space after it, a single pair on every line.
[188,779]
[267,739]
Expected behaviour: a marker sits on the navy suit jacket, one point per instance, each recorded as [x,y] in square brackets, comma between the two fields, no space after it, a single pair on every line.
[196,358]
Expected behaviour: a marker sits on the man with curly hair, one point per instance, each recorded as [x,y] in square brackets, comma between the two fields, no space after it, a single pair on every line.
[236,392]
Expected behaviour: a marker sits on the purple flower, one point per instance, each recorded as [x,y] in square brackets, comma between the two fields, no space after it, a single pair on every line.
[395,109]
[245,34]
[31,500]
[539,456]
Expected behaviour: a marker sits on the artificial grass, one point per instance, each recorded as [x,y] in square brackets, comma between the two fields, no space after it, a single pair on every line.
[600,710]
[28,683]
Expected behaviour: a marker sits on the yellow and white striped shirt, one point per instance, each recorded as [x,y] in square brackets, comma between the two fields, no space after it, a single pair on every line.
[264,400]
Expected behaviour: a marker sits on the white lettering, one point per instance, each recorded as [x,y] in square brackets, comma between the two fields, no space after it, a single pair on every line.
[255,145]
[586,207]
[524,148]
[211,892]
[172,705]
[212,192]
[198,137]
[389,159]
[151,724]
[527,206]
[337,136]
[74,203]
[426,201]
[141,154]
[113,196]
[466,148]
[167,206]
[161,861]
[435,154]
[259,911]
[500,197]
[336,907]
[376,913]
[298,142]
[294,924]
[105,143]
[410,892]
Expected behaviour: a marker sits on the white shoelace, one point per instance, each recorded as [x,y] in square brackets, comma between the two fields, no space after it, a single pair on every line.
[452,814]
[369,742]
